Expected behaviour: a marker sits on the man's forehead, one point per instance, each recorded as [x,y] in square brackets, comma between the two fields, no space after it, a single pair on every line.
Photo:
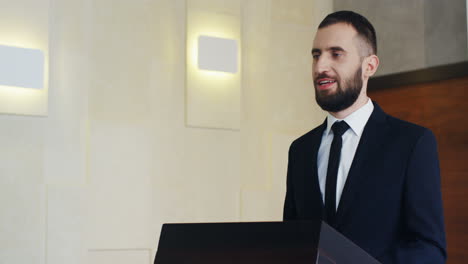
[339,34]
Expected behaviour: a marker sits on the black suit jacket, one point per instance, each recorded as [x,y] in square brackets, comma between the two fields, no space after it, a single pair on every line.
[391,205]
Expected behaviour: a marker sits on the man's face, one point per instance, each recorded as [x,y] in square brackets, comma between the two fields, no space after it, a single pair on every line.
[336,67]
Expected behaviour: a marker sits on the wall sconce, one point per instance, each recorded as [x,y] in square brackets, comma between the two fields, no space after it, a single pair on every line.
[213,70]
[20,67]
[217,54]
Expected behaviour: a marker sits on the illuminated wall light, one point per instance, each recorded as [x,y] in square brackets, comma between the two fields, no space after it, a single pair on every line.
[213,72]
[21,67]
[217,54]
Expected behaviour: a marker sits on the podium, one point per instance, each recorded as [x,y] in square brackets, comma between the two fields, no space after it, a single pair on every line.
[257,242]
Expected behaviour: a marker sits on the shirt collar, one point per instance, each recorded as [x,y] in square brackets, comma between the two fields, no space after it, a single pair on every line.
[356,121]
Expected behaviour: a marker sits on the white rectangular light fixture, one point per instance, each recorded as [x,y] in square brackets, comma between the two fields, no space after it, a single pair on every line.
[213,73]
[21,67]
[217,54]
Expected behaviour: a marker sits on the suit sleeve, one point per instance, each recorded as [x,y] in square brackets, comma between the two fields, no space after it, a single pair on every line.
[422,209]
[289,211]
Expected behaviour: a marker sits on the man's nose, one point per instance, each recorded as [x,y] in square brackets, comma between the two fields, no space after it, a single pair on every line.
[322,65]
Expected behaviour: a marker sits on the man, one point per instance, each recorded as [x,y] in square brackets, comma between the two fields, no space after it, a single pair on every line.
[372,177]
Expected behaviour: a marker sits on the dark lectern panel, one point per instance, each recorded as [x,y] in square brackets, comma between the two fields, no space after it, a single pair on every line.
[232,243]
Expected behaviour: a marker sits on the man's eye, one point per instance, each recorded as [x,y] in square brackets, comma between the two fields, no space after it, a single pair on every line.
[335,54]
[315,56]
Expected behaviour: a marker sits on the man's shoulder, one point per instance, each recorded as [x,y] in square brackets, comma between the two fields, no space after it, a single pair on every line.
[406,129]
[308,137]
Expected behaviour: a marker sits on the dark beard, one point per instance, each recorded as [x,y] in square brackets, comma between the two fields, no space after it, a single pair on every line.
[344,96]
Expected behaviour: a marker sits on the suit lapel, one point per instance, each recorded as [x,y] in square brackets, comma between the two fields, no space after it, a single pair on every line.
[312,195]
[373,136]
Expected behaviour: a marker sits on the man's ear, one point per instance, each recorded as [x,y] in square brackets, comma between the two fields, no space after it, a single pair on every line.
[370,65]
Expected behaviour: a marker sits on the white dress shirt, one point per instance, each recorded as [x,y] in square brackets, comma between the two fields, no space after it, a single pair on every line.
[356,121]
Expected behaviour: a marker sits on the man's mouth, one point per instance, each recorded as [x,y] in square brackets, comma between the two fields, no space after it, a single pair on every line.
[325,83]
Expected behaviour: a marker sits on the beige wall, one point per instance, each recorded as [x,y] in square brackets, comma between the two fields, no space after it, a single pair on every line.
[94,180]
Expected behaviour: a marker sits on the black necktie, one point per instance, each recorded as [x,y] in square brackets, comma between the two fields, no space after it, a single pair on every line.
[339,128]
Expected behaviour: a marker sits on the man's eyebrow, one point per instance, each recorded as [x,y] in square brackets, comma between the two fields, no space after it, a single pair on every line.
[337,48]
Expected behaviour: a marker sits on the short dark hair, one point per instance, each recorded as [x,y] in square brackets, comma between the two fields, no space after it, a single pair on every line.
[363,27]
